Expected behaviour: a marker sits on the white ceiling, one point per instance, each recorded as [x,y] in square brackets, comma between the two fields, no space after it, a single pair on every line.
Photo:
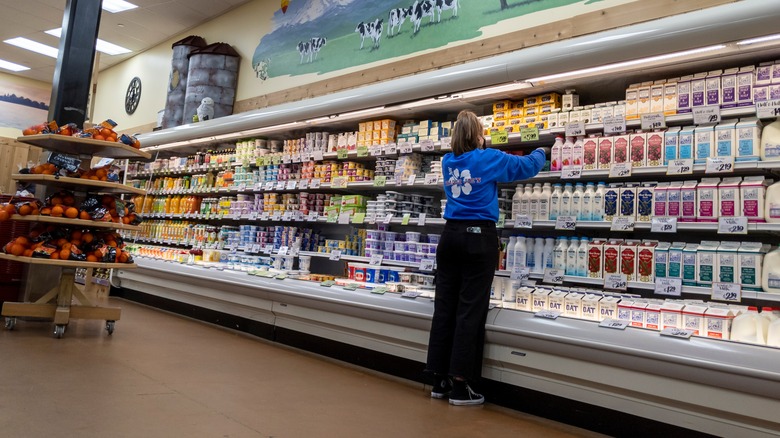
[153,22]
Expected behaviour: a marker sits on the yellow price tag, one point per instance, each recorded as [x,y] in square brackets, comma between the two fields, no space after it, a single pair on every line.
[362,151]
[341,154]
[499,137]
[529,134]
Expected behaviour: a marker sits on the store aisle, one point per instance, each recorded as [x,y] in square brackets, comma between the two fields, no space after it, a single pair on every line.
[161,375]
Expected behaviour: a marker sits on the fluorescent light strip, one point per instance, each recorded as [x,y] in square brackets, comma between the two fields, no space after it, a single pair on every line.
[115,6]
[621,65]
[11,66]
[497,89]
[362,112]
[759,40]
[103,46]
[33,46]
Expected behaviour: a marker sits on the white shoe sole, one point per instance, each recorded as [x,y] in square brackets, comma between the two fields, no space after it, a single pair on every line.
[478,401]
[439,395]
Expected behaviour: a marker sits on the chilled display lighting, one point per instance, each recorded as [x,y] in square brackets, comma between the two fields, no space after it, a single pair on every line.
[33,46]
[364,112]
[115,6]
[514,86]
[759,40]
[624,65]
[11,66]
[100,45]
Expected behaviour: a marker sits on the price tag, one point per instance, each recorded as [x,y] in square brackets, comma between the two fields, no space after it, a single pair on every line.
[286,159]
[547,314]
[677,333]
[258,186]
[410,181]
[615,282]
[277,215]
[622,223]
[620,170]
[280,185]
[668,286]
[426,145]
[523,221]
[255,248]
[335,255]
[553,276]
[313,216]
[376,259]
[375,150]
[265,216]
[269,185]
[327,283]
[391,148]
[431,179]
[529,134]
[242,187]
[615,324]
[405,219]
[379,290]
[303,184]
[371,218]
[358,218]
[520,273]
[268,248]
[410,294]
[446,143]
[499,137]
[663,225]
[427,265]
[680,167]
[283,250]
[421,219]
[342,154]
[388,218]
[405,148]
[571,172]
[67,162]
[340,182]
[316,155]
[291,185]
[575,129]
[732,225]
[653,121]
[731,292]
[281,276]
[768,109]
[501,220]
[362,151]
[720,165]
[380,181]
[566,223]
[343,218]
[351,286]
[315,183]
[614,124]
[703,115]
[287,216]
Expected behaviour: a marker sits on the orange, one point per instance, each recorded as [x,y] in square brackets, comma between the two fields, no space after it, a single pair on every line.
[61,241]
[94,178]
[57,211]
[98,137]
[125,220]
[91,258]
[100,173]
[17,249]
[65,254]
[55,255]
[69,200]
[4,216]
[111,243]
[72,212]
[46,211]
[21,240]
[67,245]
[10,208]
[37,170]
[25,210]
[75,235]
[55,200]
[122,257]
[84,216]
[87,238]
[27,253]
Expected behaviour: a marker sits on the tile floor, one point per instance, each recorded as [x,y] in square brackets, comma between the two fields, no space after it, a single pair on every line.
[162,375]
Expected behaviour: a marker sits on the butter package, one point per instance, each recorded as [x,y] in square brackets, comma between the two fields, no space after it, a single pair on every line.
[707,200]
[693,318]
[706,260]
[608,308]
[661,260]
[699,90]
[655,148]
[748,137]
[597,113]
[717,322]
[586,115]
[689,265]
[657,97]
[532,111]
[539,299]
[727,261]
[712,87]
[553,99]
[644,205]
[573,304]
[704,138]
[745,79]
[653,315]
[728,83]
[638,149]
[645,262]
[671,314]
[671,144]
[725,136]
[686,142]
[590,307]
[750,259]
[556,301]
[516,113]
[570,100]
[639,314]
[552,119]
[670,97]
[502,105]
[501,115]
[684,103]
[563,119]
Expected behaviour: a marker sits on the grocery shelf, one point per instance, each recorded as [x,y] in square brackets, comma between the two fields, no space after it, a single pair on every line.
[350,258]
[83,146]
[74,222]
[647,226]
[65,263]
[78,184]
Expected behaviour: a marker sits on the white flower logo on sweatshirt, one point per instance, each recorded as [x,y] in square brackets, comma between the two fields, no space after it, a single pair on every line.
[460,182]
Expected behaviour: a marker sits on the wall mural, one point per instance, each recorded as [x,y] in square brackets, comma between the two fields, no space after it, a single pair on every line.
[22,106]
[322,36]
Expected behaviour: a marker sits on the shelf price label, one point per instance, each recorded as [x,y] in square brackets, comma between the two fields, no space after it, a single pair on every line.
[280,185]
[677,333]
[680,167]
[553,276]
[529,134]
[405,219]
[380,181]
[566,223]
[315,183]
[269,185]
[620,170]
[616,282]
[405,148]
[668,286]
[499,137]
[520,273]
[379,290]
[615,324]
[768,109]
[653,121]
[335,255]
[283,250]
[391,148]
[316,155]
[426,146]
[340,182]
[265,216]
[333,217]
[287,215]
[351,286]
[571,172]
[706,114]
[410,181]
[342,154]
[313,216]
[731,292]
[622,223]
[362,151]
[501,220]
[733,225]
[719,165]
[303,184]
[421,219]
[446,143]
[574,129]
[663,224]
[358,218]
[343,219]
[388,218]
[614,124]
[547,314]
[376,260]
[327,283]
[523,221]
[277,215]
[291,185]
[410,294]
[286,159]
[431,179]
[375,150]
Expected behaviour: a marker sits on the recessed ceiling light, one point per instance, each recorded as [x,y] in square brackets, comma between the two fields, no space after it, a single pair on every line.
[37,47]
[11,66]
[103,46]
[114,6]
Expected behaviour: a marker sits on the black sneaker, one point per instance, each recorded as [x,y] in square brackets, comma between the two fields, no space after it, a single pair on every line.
[441,388]
[463,395]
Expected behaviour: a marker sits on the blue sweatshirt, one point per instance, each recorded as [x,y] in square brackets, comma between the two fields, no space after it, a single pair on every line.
[471,180]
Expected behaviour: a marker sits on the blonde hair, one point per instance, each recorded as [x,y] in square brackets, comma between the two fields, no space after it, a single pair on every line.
[466,133]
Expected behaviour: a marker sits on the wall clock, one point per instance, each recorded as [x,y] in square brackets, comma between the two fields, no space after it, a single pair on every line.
[133,95]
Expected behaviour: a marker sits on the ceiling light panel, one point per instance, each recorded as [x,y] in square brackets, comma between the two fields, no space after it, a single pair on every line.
[115,6]
[101,45]
[33,46]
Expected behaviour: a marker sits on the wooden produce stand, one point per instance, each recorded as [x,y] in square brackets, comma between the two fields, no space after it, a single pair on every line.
[58,303]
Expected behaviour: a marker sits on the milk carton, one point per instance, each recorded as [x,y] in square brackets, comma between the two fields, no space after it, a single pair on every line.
[706,262]
[609,307]
[595,258]
[748,137]
[661,260]
[671,314]
[590,153]
[573,304]
[660,194]
[523,298]
[750,259]
[699,90]
[671,144]
[590,307]
[753,195]
[727,262]
[645,262]
[707,200]
[688,201]
[728,197]
[556,301]
[676,267]
[539,299]
[639,314]
[657,96]
[685,143]
[704,143]
[653,315]
[655,148]
[726,139]
[712,87]
[611,201]
[689,265]
[761,93]
[693,318]
[674,199]
[628,260]
[628,200]
[728,82]
[763,74]
[776,72]
[638,149]
[717,322]
[670,97]
[644,205]
[620,149]
[611,257]
[606,146]
[684,103]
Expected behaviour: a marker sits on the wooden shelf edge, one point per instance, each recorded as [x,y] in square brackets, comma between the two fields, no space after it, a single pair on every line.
[64,144]
[64,180]
[75,222]
[66,263]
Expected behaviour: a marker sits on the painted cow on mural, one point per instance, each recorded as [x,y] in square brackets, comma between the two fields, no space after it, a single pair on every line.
[315,45]
[420,10]
[371,30]
[445,5]
[396,19]
[304,48]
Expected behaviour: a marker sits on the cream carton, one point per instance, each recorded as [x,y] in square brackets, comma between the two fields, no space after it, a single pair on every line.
[776,72]
[704,143]
[590,307]
[693,318]
[653,314]
[712,87]
[609,307]
[645,262]
[627,200]
[671,144]
[661,260]
[728,197]
[611,257]
[644,201]
[539,299]
[706,262]
[745,81]
[655,148]
[728,83]
[699,90]
[639,314]
[674,199]
[727,262]
[753,195]
[523,298]
[595,258]
[556,301]
[638,149]
[763,74]
[671,314]
[676,266]
[660,194]
[726,139]
[606,146]
[685,143]
[750,258]
[717,322]
[628,260]
[670,97]
[573,304]
[689,265]
[620,149]
[707,200]
[688,201]
[761,93]
[657,96]
[748,137]
[632,102]
[643,98]
[684,102]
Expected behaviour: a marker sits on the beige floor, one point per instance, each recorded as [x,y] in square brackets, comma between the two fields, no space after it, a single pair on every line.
[161,375]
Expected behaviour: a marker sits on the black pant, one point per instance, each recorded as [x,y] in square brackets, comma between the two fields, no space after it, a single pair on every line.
[466,259]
